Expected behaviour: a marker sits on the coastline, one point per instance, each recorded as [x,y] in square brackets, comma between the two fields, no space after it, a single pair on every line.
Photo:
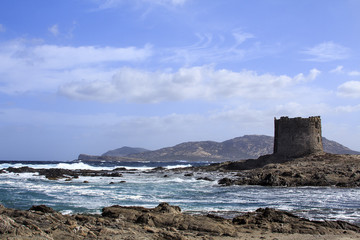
[166,222]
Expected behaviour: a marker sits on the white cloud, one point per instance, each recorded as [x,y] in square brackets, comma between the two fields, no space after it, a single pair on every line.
[338,69]
[354,73]
[54,30]
[241,36]
[203,82]
[327,51]
[314,73]
[215,48]
[349,89]
[295,109]
[2,28]
[53,56]
[48,66]
[348,109]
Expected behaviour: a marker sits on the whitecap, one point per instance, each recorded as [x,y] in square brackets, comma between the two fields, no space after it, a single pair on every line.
[66,212]
[178,166]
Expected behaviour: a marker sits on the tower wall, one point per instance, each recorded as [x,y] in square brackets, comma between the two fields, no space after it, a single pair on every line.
[297,136]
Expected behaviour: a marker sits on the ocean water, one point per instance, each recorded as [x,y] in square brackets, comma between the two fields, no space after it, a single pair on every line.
[145,188]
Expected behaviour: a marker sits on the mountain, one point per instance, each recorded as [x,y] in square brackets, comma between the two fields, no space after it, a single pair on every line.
[246,147]
[124,151]
[336,148]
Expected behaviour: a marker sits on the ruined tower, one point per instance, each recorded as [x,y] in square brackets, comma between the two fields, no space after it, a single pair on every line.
[297,136]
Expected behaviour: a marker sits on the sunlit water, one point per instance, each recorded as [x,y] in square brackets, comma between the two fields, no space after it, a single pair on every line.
[23,190]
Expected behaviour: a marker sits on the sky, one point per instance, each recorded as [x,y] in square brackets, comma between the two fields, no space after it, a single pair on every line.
[88,76]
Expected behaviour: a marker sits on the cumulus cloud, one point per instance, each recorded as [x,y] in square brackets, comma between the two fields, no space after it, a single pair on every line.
[202,82]
[314,73]
[326,52]
[52,65]
[54,30]
[349,89]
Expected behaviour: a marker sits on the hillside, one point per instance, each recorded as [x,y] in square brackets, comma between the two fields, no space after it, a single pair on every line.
[246,147]
[249,146]
[124,151]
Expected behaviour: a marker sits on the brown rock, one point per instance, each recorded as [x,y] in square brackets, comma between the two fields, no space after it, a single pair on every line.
[162,222]
[42,208]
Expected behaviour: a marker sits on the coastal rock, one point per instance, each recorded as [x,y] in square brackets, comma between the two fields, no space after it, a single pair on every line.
[21,170]
[42,208]
[162,222]
[165,215]
[59,173]
[322,169]
[284,222]
[226,181]
[205,179]
[11,228]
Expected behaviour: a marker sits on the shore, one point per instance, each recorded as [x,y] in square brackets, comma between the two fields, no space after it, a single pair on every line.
[169,222]
[165,222]
[322,169]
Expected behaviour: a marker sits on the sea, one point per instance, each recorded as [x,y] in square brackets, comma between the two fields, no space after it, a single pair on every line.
[142,187]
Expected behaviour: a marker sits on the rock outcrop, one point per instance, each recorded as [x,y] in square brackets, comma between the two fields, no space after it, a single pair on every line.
[160,223]
[312,170]
[58,173]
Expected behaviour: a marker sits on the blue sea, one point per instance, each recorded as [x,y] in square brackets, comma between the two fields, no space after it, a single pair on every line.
[143,187]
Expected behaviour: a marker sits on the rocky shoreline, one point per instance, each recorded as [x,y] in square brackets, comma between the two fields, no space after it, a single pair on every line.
[168,222]
[165,222]
[321,169]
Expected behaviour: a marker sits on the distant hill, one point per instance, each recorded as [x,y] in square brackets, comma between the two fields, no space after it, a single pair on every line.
[336,148]
[246,147]
[249,146]
[124,151]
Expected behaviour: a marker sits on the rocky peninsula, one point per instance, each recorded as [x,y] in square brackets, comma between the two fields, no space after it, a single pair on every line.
[320,169]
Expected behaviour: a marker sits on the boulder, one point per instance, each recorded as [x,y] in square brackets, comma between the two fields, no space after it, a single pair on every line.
[42,208]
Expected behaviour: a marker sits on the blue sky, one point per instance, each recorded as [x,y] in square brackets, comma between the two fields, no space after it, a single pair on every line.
[87,76]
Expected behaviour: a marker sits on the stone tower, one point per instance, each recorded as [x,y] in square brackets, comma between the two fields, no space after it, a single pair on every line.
[297,136]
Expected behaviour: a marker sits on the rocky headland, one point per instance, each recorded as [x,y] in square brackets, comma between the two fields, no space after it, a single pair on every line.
[165,222]
[320,169]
